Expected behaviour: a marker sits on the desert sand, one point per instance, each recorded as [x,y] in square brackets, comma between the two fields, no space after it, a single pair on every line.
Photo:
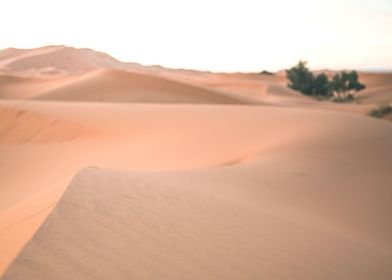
[115,170]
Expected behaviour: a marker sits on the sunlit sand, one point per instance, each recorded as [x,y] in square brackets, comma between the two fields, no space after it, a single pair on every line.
[113,170]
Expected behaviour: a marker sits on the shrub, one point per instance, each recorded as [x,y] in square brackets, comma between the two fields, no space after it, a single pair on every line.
[345,84]
[382,110]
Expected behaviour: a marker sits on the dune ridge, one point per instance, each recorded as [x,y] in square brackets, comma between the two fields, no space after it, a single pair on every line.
[19,222]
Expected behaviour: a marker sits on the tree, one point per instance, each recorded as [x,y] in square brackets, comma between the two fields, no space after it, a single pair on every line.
[345,84]
[337,84]
[301,78]
[322,86]
[353,82]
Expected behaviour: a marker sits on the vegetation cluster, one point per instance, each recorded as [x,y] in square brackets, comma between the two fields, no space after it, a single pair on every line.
[340,88]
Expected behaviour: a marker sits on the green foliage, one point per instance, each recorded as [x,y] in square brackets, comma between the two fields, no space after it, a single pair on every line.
[300,78]
[382,110]
[342,86]
[337,83]
[321,86]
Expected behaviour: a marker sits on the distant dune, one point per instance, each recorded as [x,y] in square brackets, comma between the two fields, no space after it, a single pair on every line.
[16,87]
[379,88]
[53,60]
[121,86]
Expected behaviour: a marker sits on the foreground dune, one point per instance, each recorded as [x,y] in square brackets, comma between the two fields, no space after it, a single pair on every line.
[215,192]
[19,222]
[229,222]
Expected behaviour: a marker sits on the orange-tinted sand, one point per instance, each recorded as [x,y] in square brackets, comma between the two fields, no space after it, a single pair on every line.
[187,175]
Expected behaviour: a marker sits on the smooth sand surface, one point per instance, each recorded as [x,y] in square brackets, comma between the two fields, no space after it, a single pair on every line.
[278,213]
[54,60]
[122,86]
[16,87]
[379,88]
[224,176]
[281,176]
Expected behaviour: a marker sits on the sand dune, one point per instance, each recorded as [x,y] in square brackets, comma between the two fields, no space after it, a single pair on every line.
[379,88]
[262,89]
[259,87]
[228,221]
[273,90]
[54,60]
[121,86]
[55,64]
[224,176]
[19,222]
[15,87]
[20,126]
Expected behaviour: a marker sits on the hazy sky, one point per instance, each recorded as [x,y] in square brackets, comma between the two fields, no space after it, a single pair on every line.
[238,35]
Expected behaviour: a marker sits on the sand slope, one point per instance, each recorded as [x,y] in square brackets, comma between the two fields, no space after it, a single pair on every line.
[16,87]
[254,195]
[121,86]
[54,60]
[19,222]
[268,89]
[20,126]
[379,88]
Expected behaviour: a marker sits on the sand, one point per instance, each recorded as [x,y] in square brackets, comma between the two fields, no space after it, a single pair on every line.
[174,174]
[113,224]
[54,60]
[122,86]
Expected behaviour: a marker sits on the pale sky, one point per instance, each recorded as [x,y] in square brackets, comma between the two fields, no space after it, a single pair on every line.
[216,35]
